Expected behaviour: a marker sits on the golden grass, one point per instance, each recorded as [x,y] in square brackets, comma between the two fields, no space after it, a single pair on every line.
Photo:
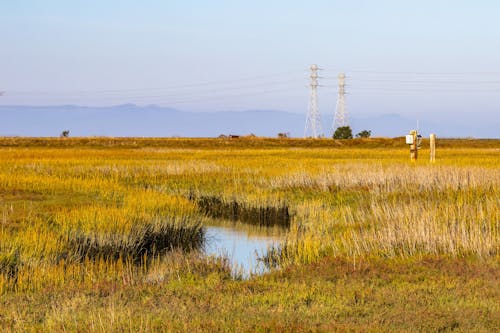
[65,206]
[95,233]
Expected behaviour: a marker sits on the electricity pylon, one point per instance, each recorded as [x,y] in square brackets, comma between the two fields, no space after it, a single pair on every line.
[313,120]
[340,119]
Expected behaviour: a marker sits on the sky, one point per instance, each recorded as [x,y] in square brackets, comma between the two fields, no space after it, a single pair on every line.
[420,59]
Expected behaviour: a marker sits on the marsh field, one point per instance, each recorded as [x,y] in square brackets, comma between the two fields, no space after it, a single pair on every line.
[108,235]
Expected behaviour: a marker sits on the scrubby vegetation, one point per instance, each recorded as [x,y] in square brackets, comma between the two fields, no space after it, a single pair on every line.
[343,132]
[262,216]
[103,234]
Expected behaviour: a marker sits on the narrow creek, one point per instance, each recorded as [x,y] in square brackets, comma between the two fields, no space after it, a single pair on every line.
[242,233]
[242,246]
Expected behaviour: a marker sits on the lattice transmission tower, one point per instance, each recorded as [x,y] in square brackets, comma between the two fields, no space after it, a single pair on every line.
[313,126]
[340,119]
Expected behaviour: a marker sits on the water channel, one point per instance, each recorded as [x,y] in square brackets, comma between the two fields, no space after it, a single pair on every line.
[242,245]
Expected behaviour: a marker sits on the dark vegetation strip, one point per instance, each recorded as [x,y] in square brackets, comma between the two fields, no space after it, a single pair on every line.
[141,242]
[268,216]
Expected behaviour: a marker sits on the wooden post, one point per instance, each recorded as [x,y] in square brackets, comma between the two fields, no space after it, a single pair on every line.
[433,147]
[413,146]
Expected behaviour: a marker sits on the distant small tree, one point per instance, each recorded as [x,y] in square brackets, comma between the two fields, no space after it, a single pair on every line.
[65,134]
[364,134]
[283,135]
[343,132]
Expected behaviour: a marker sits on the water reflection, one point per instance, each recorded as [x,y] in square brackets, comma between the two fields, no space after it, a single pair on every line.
[242,245]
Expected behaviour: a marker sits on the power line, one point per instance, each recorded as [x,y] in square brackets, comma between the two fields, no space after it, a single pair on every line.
[425,81]
[198,93]
[215,97]
[416,90]
[181,86]
[376,72]
[361,82]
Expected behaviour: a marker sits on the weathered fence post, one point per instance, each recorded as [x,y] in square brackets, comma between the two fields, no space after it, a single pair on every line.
[432,141]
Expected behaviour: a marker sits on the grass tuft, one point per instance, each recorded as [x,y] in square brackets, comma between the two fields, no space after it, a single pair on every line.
[268,216]
[141,241]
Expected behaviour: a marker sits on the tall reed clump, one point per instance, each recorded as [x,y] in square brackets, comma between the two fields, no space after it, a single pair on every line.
[144,224]
[267,216]
[141,241]
[371,210]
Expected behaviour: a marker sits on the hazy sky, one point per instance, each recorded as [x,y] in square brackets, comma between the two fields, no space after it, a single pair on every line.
[407,57]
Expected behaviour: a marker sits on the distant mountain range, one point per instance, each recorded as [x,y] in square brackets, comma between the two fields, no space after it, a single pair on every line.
[156,121]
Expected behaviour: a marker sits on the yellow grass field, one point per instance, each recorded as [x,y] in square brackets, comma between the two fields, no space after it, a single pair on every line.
[104,234]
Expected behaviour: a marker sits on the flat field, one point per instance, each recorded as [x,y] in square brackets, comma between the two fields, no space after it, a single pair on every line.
[105,234]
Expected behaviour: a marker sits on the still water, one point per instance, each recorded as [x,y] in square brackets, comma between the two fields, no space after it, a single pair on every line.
[242,246]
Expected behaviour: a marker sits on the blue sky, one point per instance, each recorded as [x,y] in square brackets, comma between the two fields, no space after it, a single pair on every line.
[439,58]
